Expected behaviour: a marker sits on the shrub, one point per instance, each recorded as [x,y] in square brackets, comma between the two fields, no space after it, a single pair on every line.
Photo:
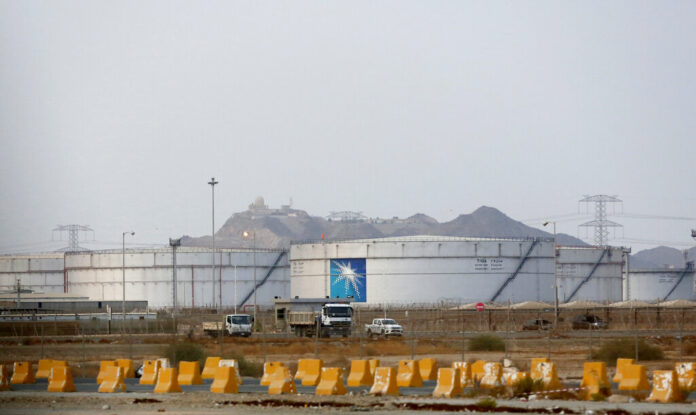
[625,348]
[527,385]
[247,367]
[487,403]
[186,352]
[487,342]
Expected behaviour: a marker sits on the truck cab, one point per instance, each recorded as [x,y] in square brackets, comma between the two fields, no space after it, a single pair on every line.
[239,324]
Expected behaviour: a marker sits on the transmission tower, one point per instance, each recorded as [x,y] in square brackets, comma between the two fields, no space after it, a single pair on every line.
[73,236]
[600,223]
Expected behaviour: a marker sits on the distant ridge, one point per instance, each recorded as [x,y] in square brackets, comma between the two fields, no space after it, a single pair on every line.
[277,228]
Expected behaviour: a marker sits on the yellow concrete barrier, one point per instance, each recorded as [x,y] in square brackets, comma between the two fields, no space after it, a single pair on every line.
[514,378]
[331,382]
[113,380]
[235,364]
[465,378]
[665,387]
[22,373]
[374,364]
[477,371]
[151,369]
[5,378]
[281,382]
[210,367]
[594,379]
[268,369]
[549,376]
[428,368]
[448,383]
[44,369]
[621,364]
[190,373]
[492,375]
[312,372]
[167,381]
[408,374]
[385,382]
[535,369]
[225,380]
[60,380]
[633,378]
[103,365]
[686,375]
[360,374]
[127,366]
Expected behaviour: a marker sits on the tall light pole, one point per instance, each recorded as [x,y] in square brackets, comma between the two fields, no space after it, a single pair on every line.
[123,269]
[212,184]
[555,276]
[174,243]
[253,239]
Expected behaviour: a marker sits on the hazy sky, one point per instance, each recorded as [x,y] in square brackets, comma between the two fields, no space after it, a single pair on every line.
[116,114]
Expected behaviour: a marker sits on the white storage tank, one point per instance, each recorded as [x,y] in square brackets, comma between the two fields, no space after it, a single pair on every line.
[431,269]
[661,284]
[98,275]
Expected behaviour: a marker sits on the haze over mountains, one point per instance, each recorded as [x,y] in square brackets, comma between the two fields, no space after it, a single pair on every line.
[277,228]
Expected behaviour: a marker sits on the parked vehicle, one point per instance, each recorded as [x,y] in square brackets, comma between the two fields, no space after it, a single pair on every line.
[537,324]
[304,316]
[588,321]
[384,327]
[233,325]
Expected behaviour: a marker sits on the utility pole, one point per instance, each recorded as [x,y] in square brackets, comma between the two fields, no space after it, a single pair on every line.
[174,243]
[555,276]
[212,184]
[123,273]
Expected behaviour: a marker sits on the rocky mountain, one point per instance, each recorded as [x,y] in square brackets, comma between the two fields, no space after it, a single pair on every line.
[276,228]
[661,257]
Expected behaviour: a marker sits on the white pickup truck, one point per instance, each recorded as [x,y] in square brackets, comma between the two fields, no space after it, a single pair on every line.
[383,327]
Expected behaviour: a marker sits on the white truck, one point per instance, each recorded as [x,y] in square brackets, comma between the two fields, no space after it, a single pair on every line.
[304,316]
[384,327]
[233,325]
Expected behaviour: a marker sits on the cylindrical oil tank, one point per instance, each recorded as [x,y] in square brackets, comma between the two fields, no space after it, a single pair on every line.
[149,276]
[430,269]
[661,284]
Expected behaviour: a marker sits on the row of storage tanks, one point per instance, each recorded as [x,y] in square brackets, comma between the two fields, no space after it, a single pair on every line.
[406,270]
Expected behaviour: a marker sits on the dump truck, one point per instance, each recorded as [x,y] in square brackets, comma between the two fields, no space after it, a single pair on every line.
[311,316]
[232,325]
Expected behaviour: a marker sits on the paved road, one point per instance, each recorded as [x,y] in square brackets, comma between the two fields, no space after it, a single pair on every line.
[250,385]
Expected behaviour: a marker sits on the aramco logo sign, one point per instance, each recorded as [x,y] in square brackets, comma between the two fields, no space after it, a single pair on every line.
[348,279]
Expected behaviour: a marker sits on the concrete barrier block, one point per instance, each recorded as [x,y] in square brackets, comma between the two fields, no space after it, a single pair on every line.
[103,365]
[151,370]
[269,369]
[210,367]
[665,387]
[466,379]
[23,373]
[408,374]
[60,380]
[448,383]
[360,374]
[385,382]
[620,365]
[190,373]
[225,380]
[167,381]
[281,382]
[331,382]
[113,381]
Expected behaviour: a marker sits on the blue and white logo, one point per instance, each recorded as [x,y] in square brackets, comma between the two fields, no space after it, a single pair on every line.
[348,278]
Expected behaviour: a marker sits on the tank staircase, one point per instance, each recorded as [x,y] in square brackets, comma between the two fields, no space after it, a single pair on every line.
[604,253]
[517,270]
[689,268]
[264,279]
